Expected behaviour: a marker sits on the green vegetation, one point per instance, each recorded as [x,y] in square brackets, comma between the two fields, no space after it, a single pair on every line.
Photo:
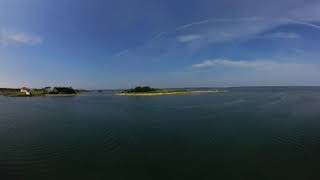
[7,91]
[11,92]
[15,94]
[63,90]
[140,89]
[38,92]
[47,91]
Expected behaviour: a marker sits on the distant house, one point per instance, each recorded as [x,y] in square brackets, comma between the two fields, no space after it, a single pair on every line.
[25,90]
[48,89]
[55,91]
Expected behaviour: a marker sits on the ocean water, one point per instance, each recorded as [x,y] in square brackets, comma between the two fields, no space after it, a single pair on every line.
[245,133]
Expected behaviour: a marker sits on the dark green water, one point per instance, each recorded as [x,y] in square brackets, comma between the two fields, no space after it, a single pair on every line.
[247,133]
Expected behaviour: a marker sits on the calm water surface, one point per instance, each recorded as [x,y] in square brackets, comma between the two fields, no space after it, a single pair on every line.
[247,133]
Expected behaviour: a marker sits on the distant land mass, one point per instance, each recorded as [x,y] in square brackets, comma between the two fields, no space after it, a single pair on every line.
[47,91]
[148,91]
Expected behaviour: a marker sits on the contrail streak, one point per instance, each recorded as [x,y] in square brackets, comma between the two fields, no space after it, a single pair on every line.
[304,23]
[217,20]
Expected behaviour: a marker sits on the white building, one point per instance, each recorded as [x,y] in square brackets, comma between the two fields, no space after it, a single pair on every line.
[26,91]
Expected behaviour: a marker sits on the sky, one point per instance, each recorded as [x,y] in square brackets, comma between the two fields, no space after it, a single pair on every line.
[109,44]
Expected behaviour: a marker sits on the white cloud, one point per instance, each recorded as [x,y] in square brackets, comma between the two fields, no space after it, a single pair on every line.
[304,23]
[192,24]
[281,35]
[256,72]
[12,37]
[224,30]
[189,38]
[216,30]
[254,65]
[121,53]
[199,34]
[232,63]
[217,20]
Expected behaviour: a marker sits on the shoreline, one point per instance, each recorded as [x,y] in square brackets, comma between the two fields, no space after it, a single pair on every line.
[169,93]
[59,95]
[44,95]
[154,94]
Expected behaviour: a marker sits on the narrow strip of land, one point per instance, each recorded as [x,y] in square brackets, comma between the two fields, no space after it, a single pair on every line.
[153,93]
[148,91]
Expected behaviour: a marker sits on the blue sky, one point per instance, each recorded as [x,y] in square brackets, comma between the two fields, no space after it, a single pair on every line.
[161,43]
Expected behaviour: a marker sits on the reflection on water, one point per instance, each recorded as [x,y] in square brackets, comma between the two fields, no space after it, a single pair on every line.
[246,133]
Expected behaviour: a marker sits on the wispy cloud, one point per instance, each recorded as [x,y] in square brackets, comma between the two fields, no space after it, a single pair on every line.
[222,30]
[121,53]
[201,33]
[280,35]
[217,20]
[185,26]
[304,23]
[12,37]
[254,64]
[189,38]
[210,25]
[232,63]
[256,72]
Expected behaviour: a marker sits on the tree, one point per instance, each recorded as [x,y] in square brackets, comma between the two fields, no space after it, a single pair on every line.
[140,89]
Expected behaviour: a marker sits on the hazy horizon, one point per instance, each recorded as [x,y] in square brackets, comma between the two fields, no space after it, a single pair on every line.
[192,87]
